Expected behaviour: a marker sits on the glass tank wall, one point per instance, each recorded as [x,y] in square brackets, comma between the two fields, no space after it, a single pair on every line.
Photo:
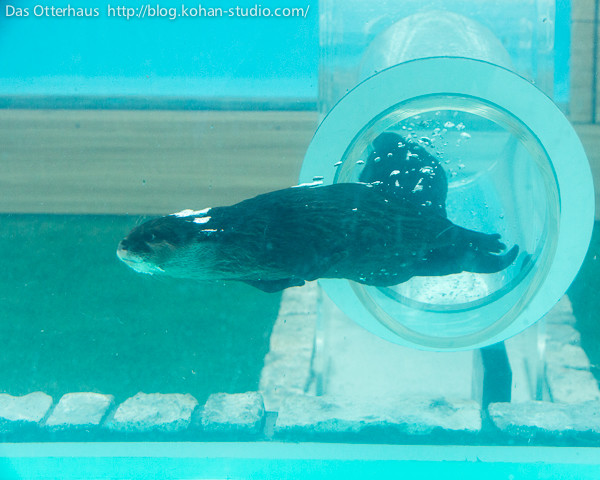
[516,34]
[109,373]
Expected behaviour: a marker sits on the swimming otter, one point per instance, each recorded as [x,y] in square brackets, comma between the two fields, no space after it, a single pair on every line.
[284,238]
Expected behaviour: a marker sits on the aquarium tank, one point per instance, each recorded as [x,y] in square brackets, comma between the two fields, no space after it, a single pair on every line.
[299,240]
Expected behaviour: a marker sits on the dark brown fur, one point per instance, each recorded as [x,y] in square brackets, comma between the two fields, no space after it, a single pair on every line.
[286,237]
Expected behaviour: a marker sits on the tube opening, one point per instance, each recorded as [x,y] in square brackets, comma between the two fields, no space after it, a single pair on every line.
[498,180]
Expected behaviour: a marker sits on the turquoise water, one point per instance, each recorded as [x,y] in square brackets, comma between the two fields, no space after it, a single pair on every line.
[75,318]
[310,461]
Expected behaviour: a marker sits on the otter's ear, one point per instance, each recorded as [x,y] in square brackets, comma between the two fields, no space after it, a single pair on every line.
[272,286]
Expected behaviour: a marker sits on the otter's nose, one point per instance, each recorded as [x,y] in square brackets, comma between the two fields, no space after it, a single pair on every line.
[123,249]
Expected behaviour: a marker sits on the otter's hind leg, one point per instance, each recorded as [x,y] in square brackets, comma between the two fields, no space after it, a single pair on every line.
[484,262]
[481,252]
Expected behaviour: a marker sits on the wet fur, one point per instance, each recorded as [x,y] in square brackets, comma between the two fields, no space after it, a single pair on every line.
[420,178]
[283,238]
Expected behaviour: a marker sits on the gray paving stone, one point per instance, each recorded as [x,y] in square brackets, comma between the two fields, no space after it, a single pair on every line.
[234,413]
[300,300]
[283,376]
[563,333]
[561,313]
[568,374]
[153,412]
[79,411]
[553,421]
[293,334]
[569,385]
[305,416]
[23,412]
[566,355]
[287,367]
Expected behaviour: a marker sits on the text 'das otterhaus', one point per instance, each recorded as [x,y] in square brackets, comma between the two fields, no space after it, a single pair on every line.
[156,11]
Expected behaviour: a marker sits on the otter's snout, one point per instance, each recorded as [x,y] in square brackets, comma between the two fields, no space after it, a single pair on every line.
[129,253]
[125,255]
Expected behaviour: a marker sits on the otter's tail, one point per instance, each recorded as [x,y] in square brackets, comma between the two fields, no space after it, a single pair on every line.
[482,252]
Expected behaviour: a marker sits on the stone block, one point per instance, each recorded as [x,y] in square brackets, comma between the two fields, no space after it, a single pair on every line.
[234,413]
[302,417]
[561,313]
[300,300]
[562,333]
[566,355]
[23,412]
[569,385]
[568,374]
[79,411]
[287,367]
[545,420]
[153,412]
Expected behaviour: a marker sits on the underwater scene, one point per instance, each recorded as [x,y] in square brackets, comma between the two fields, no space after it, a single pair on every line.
[312,240]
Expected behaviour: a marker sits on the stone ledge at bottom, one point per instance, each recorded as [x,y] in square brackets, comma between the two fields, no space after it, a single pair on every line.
[237,413]
[153,412]
[305,416]
[535,419]
[79,411]
[27,411]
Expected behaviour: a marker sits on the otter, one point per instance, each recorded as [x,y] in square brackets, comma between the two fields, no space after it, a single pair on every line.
[405,169]
[281,239]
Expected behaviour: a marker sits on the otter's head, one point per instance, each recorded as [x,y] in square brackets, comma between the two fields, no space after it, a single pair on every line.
[164,245]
